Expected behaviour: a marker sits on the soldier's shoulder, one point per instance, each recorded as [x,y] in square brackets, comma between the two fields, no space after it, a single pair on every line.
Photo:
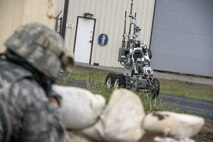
[29,88]
[28,83]
[12,71]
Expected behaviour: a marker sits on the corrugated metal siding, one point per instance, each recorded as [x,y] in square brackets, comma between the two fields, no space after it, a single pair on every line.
[109,15]
[182,38]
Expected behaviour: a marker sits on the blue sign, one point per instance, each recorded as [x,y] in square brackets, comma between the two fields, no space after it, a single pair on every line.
[102,39]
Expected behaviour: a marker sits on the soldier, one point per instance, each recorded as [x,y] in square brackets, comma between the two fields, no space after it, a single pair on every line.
[29,108]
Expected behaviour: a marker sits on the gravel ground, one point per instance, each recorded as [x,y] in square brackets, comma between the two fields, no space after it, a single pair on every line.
[197,107]
[206,134]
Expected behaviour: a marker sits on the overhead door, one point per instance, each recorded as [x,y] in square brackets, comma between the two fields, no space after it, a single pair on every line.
[182,37]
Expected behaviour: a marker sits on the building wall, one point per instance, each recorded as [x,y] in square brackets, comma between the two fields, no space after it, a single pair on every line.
[182,38]
[109,15]
[14,13]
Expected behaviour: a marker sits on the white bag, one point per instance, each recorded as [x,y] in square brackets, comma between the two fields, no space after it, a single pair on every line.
[175,124]
[121,121]
[80,108]
[76,136]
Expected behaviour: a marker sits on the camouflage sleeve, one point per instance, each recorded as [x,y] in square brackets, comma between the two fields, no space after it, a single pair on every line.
[40,121]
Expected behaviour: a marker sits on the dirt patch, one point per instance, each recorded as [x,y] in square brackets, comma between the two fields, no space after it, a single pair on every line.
[206,134]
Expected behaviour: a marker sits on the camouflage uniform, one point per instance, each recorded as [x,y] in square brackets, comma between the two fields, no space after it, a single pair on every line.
[32,60]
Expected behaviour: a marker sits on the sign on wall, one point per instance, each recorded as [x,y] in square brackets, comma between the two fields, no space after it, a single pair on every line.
[102,39]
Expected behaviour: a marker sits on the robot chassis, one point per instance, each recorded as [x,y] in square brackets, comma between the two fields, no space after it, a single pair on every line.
[135,57]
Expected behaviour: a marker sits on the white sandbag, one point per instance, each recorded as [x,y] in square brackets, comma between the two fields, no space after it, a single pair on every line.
[76,136]
[169,139]
[80,108]
[121,121]
[175,124]
[150,136]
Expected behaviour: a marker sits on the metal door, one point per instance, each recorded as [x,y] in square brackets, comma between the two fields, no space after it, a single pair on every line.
[182,37]
[84,40]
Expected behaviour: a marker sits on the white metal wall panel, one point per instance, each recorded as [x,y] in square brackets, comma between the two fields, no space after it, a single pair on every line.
[109,15]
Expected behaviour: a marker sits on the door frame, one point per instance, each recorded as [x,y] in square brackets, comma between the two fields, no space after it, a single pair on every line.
[76,31]
[152,28]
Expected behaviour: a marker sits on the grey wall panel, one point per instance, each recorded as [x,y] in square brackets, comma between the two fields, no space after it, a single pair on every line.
[182,38]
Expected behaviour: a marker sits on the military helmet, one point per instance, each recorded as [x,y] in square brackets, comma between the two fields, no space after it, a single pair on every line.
[41,47]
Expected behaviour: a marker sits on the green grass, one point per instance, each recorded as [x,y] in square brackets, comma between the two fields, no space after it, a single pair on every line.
[85,74]
[173,87]
[189,90]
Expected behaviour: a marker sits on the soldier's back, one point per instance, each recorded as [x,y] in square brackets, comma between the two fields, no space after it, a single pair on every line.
[23,97]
